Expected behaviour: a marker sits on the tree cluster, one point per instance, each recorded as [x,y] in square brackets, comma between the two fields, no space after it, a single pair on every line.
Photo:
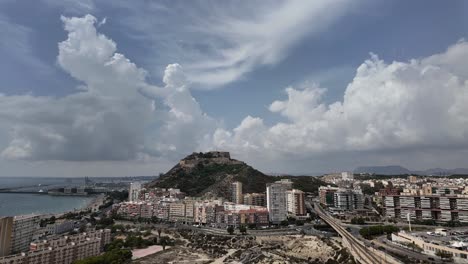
[358,221]
[372,231]
[115,256]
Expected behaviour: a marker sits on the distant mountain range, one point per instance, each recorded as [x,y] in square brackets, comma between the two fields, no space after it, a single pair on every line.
[395,170]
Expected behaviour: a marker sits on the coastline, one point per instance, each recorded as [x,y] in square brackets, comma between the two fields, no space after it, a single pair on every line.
[94,204]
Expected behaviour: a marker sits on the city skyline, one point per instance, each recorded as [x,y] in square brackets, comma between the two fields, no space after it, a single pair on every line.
[103,89]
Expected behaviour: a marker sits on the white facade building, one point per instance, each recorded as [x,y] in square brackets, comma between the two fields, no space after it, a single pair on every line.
[296,202]
[277,202]
[236,193]
[347,176]
[134,192]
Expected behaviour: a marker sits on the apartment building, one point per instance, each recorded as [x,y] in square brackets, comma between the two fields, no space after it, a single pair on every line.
[134,192]
[412,179]
[296,202]
[257,217]
[146,210]
[348,200]
[327,195]
[236,192]
[257,199]
[276,194]
[24,228]
[6,229]
[129,209]
[252,216]
[182,211]
[63,250]
[438,206]
[205,211]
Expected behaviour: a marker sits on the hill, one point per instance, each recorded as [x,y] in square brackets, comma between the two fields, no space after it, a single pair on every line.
[210,174]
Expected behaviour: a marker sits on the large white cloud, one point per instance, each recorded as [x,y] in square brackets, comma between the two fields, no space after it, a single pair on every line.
[116,114]
[420,104]
[108,118]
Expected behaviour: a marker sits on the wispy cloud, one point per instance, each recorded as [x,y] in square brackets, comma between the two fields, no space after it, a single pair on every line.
[220,42]
[16,43]
[73,6]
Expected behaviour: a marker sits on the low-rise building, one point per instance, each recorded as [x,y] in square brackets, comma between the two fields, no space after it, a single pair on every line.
[257,199]
[456,249]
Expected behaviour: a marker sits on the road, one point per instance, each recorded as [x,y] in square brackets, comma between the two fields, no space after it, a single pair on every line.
[361,253]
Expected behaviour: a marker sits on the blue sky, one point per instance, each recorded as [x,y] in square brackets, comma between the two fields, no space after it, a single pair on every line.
[236,59]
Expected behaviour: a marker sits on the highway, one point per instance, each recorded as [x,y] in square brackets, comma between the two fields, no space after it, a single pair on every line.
[360,252]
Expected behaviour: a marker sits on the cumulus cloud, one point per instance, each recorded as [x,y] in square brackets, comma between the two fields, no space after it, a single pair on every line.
[117,114]
[398,106]
[110,117]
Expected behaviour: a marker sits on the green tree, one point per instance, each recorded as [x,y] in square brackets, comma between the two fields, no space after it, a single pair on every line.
[443,254]
[358,221]
[371,231]
[230,230]
[116,256]
[242,229]
[163,244]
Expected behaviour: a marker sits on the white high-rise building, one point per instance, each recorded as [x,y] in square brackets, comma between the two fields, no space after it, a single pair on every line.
[134,192]
[236,193]
[277,202]
[347,176]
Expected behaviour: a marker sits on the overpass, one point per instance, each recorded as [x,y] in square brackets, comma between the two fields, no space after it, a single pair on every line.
[361,253]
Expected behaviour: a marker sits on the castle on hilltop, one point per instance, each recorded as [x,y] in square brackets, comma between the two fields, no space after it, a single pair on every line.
[219,157]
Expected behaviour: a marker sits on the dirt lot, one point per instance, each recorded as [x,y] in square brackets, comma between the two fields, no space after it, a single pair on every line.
[200,248]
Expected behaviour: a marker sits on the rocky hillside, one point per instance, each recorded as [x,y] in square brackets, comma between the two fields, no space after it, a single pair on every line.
[210,174]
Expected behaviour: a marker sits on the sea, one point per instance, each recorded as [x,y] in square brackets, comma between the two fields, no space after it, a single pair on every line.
[12,204]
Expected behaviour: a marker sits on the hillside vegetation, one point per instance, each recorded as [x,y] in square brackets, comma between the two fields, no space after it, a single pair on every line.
[211,174]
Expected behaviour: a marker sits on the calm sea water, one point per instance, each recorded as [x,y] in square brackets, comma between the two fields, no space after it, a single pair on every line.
[19,204]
